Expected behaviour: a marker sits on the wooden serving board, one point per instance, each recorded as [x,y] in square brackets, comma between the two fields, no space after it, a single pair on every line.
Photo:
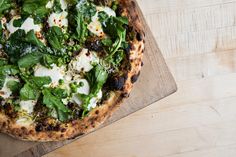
[155,83]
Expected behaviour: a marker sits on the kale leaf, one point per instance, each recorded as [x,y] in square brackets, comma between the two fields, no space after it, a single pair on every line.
[55,38]
[14,86]
[53,102]
[36,8]
[29,60]
[32,88]
[114,27]
[5,5]
[29,92]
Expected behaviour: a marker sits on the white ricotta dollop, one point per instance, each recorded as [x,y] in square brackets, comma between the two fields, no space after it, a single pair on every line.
[95,26]
[49,5]
[27,25]
[94,100]
[84,61]
[10,27]
[85,89]
[63,4]
[55,73]
[107,10]
[28,105]
[58,19]
[5,92]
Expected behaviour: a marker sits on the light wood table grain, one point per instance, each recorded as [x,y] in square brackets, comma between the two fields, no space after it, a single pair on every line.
[198,40]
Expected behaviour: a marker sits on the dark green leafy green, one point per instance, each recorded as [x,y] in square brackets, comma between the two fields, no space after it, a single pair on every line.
[5,5]
[53,102]
[3,62]
[36,8]
[29,60]
[29,92]
[32,88]
[31,38]
[81,29]
[55,38]
[88,10]
[20,44]
[18,22]
[96,78]
[14,86]
[114,27]
[15,46]
[79,20]
[60,93]
[7,70]
[57,6]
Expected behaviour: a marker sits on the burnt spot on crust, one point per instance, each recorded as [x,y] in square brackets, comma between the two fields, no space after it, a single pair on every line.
[63,130]
[142,64]
[10,111]
[139,36]
[135,77]
[97,112]
[116,82]
[39,127]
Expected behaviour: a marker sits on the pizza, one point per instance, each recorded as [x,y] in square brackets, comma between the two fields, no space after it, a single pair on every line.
[65,65]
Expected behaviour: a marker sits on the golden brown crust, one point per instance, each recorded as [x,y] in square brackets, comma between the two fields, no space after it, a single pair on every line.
[98,115]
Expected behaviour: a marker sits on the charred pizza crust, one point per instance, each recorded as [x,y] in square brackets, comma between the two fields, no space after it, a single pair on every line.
[99,114]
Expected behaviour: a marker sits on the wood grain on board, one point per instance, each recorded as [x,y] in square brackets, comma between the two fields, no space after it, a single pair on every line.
[198,41]
[155,83]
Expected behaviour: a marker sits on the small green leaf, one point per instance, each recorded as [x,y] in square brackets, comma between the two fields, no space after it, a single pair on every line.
[5,5]
[55,103]
[55,37]
[31,38]
[35,7]
[29,92]
[29,60]
[14,86]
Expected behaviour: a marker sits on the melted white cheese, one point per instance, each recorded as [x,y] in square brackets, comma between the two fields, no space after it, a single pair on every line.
[85,89]
[58,19]
[10,27]
[49,5]
[27,25]
[56,73]
[28,106]
[5,92]
[94,100]
[107,10]
[84,61]
[95,26]
[24,121]
[63,4]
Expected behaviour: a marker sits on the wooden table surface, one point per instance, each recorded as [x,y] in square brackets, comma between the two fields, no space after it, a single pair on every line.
[198,41]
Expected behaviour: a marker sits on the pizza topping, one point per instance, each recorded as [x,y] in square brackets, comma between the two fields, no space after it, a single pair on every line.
[58,19]
[6,91]
[28,105]
[95,26]
[84,61]
[57,71]
[50,3]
